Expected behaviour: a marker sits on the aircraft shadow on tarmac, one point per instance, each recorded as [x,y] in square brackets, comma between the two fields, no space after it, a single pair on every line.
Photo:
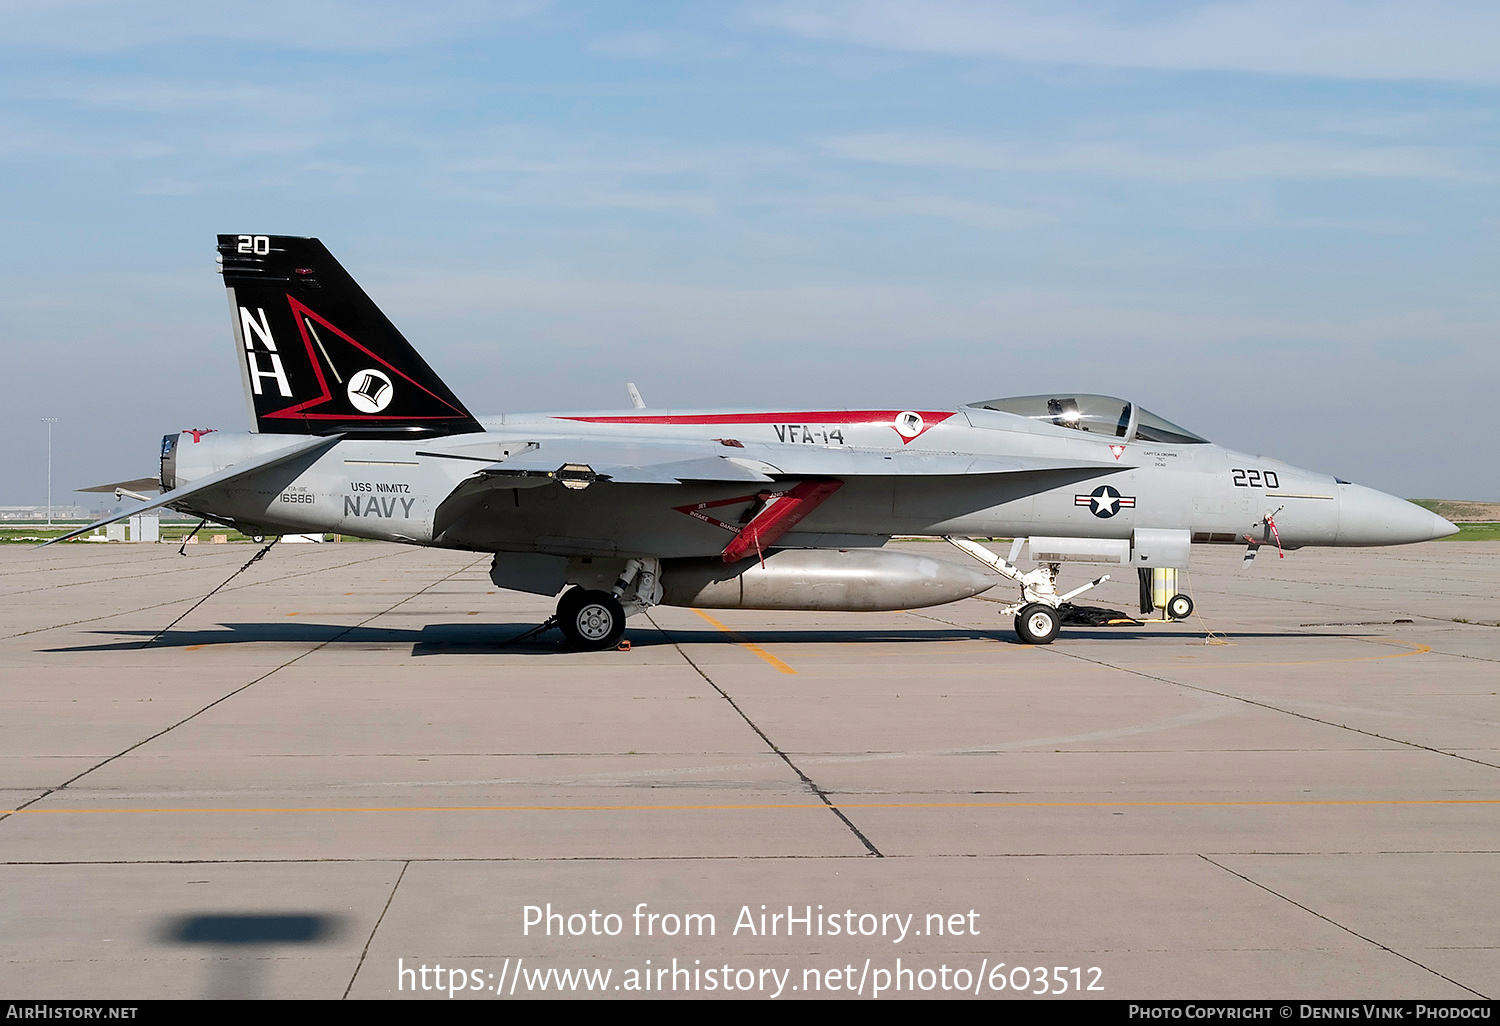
[470,638]
[236,944]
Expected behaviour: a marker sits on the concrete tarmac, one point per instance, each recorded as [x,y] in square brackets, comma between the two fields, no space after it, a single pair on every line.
[335,776]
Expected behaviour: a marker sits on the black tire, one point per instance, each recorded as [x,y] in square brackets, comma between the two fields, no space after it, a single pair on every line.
[1038,624]
[591,620]
[1179,607]
[257,538]
[566,601]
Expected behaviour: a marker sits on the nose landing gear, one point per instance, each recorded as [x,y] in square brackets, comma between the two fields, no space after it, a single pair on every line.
[1038,624]
[1038,616]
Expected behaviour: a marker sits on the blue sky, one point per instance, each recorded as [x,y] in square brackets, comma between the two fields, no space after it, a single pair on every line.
[1275,223]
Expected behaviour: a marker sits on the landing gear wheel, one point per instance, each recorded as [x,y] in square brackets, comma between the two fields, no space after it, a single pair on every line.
[1037,624]
[1179,607]
[590,620]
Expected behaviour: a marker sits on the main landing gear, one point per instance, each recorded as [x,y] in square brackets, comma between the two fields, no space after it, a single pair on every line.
[592,619]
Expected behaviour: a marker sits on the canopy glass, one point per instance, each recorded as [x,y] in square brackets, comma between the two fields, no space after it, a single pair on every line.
[1096,414]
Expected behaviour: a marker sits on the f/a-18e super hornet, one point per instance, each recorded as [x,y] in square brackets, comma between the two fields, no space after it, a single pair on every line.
[786,509]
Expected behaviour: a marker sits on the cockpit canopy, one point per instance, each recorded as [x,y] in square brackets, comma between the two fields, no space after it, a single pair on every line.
[1096,414]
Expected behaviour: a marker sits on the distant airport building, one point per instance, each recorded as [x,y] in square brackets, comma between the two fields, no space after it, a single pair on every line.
[40,512]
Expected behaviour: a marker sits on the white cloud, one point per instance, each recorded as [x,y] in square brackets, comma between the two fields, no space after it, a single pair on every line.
[890,317]
[260,144]
[337,25]
[604,156]
[594,174]
[658,45]
[1443,40]
[1302,159]
[553,196]
[642,45]
[877,204]
[159,97]
[18,139]
[168,187]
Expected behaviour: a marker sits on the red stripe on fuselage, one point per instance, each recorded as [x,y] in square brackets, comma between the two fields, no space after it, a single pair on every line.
[886,417]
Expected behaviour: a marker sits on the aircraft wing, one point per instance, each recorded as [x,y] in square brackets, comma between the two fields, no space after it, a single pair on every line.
[576,462]
[538,462]
[527,464]
[139,484]
[245,468]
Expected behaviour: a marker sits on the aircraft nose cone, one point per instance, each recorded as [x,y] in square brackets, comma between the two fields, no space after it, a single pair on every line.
[1368,517]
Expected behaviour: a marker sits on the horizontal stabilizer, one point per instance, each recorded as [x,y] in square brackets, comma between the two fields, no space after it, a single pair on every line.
[140,484]
[313,444]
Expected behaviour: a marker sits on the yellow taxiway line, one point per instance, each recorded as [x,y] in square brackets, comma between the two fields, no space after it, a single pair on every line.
[768,657]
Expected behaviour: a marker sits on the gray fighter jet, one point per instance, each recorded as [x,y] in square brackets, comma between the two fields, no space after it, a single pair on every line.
[784,509]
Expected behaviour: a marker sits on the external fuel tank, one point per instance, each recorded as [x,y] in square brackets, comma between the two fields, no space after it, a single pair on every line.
[856,580]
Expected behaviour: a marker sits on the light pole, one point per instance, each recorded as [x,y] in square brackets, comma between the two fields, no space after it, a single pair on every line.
[49,421]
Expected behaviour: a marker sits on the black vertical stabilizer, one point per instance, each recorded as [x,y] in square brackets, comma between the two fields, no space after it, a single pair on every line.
[317,356]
